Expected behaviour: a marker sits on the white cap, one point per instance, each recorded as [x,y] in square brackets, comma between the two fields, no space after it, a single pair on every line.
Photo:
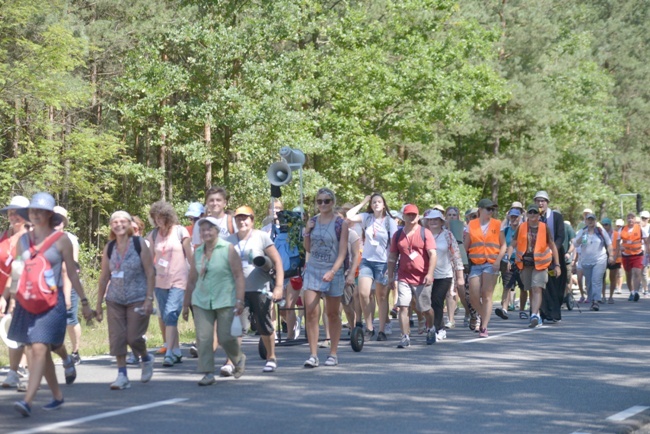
[587,211]
[434,214]
[619,222]
[645,214]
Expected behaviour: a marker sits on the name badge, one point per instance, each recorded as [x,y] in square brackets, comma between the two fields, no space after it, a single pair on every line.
[163,263]
[117,275]
[413,255]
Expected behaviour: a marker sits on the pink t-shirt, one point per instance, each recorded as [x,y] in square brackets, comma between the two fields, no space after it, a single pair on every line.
[172,268]
[413,254]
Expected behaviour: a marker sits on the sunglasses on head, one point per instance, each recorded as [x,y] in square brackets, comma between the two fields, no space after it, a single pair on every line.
[323,201]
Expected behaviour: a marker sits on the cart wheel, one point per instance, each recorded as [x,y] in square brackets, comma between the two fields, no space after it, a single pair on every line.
[261,349]
[357,339]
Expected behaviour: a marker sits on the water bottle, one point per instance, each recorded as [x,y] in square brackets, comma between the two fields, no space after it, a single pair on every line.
[49,279]
[140,310]
[282,302]
[584,238]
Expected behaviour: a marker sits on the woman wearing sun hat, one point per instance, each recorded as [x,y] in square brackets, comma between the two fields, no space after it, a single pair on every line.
[45,332]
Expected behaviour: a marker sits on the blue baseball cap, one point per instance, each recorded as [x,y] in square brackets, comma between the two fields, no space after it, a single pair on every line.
[515,212]
[195,210]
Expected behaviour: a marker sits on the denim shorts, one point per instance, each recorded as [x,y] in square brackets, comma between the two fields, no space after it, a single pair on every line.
[477,270]
[170,304]
[375,270]
[72,314]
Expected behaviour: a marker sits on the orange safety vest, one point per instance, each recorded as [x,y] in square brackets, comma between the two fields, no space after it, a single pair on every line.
[484,248]
[542,254]
[615,236]
[632,241]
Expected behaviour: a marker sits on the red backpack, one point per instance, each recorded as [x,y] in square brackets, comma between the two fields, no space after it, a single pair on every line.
[37,288]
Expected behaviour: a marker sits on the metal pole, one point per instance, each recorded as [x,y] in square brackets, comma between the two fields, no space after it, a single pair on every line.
[302,209]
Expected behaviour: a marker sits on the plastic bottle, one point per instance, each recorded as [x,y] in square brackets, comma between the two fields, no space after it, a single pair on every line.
[140,310]
[49,279]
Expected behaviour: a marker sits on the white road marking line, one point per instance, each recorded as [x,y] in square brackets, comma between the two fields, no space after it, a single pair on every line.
[73,422]
[500,335]
[627,413]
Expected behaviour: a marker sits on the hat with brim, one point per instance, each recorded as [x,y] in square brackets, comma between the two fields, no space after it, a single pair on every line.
[517,205]
[433,214]
[542,195]
[41,200]
[62,213]
[486,203]
[213,221]
[17,202]
[590,216]
[195,209]
[245,210]
[620,222]
[514,212]
[606,221]
[532,207]
[411,209]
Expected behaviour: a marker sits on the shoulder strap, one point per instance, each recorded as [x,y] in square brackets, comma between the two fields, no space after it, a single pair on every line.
[47,243]
[136,245]
[338,226]
[109,250]
[229,223]
[179,233]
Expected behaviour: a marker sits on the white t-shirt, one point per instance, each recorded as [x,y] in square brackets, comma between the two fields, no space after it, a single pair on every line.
[376,244]
[223,230]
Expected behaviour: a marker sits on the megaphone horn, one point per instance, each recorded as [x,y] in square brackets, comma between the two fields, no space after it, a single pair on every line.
[279,174]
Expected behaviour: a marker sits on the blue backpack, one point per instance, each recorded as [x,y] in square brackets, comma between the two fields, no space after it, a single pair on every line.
[293,257]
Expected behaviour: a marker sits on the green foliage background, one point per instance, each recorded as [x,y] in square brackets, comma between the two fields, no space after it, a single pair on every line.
[114,104]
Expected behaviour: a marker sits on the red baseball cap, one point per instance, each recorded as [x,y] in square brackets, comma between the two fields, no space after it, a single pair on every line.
[411,209]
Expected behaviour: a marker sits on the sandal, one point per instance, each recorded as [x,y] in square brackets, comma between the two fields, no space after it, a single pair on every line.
[271,366]
[523,315]
[331,361]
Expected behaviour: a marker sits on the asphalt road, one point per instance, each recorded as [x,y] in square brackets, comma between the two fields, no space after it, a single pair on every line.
[564,378]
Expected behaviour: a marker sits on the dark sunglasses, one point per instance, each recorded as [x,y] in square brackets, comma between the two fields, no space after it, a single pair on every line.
[489,209]
[323,201]
[533,212]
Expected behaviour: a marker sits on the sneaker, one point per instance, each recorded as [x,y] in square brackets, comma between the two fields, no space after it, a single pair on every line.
[388,329]
[431,336]
[162,350]
[636,296]
[370,334]
[207,380]
[332,360]
[121,383]
[441,335]
[595,307]
[610,300]
[132,359]
[311,362]
[501,313]
[168,361]
[147,370]
[240,367]
[582,299]
[534,321]
[296,328]
[393,312]
[381,336]
[54,405]
[523,315]
[11,380]
[194,352]
[23,408]
[482,333]
[22,387]
[631,297]
[70,371]
[511,307]
[450,324]
[466,321]
[76,358]
[404,342]
[22,372]
[227,370]
[325,343]
[618,291]
[271,366]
